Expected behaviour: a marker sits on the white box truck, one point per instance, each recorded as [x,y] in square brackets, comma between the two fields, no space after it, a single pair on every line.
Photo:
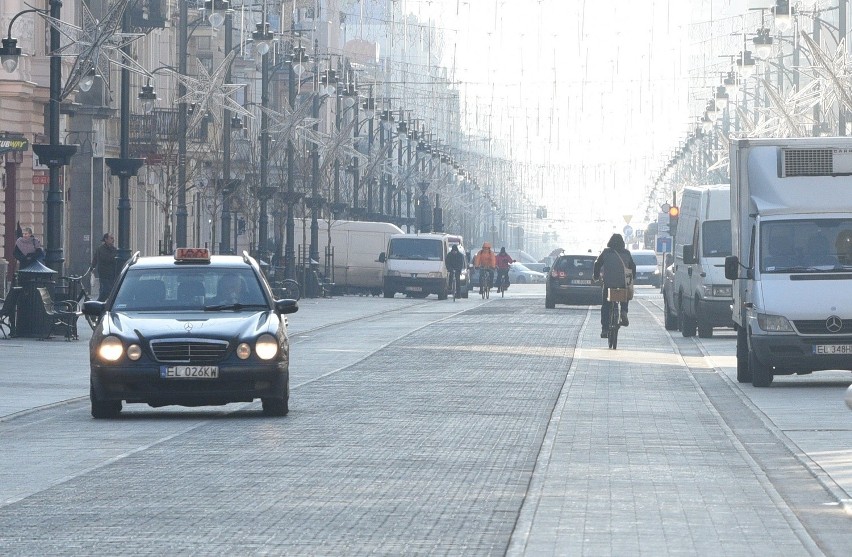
[356,244]
[791,228]
[416,265]
[702,292]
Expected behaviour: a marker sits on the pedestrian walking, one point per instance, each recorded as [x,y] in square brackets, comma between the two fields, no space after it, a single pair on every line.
[103,265]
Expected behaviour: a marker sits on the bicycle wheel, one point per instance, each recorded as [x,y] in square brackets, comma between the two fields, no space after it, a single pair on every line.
[612,338]
[290,289]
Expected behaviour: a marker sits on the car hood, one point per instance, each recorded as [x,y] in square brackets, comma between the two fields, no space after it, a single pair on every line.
[805,299]
[152,325]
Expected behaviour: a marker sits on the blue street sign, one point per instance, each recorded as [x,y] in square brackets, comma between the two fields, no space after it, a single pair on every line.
[664,244]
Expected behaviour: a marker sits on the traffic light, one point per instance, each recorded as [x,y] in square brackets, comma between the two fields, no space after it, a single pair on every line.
[674,213]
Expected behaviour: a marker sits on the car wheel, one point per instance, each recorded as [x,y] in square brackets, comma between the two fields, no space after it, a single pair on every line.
[743,371]
[442,294]
[388,293]
[549,302]
[669,318]
[761,375]
[687,322]
[275,406]
[103,409]
[465,292]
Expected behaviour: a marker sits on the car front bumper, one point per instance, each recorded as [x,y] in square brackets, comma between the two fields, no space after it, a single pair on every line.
[791,353]
[717,312]
[144,383]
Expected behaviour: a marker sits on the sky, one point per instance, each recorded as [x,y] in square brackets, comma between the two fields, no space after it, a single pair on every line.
[590,95]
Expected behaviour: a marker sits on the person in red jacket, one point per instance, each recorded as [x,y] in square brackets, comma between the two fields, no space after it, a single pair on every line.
[485,261]
[504,260]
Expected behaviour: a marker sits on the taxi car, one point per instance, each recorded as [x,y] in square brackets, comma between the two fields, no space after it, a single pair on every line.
[190,330]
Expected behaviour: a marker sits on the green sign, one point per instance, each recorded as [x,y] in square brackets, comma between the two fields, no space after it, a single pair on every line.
[13,143]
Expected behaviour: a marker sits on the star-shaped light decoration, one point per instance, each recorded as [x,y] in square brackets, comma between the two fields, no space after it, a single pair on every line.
[833,71]
[95,45]
[331,145]
[208,93]
[288,123]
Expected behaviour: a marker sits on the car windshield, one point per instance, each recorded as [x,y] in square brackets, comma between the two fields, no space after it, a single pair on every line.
[644,258]
[189,288]
[416,248]
[806,245]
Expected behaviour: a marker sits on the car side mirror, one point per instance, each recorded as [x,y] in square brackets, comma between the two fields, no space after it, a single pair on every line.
[94,308]
[382,257]
[689,254]
[285,306]
[732,267]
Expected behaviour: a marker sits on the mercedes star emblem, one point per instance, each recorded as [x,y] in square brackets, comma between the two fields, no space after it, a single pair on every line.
[833,324]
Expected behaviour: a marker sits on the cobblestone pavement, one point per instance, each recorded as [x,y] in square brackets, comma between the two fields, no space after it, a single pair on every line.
[503,429]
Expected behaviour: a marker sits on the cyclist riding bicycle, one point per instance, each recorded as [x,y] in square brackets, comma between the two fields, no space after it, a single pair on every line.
[486,262]
[504,260]
[455,265]
[610,266]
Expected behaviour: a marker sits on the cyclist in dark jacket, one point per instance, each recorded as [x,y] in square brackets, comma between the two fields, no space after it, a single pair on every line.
[610,265]
[455,265]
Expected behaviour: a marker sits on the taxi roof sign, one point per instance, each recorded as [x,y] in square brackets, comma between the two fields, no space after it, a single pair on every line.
[192,254]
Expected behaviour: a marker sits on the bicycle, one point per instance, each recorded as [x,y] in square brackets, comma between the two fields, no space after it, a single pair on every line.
[78,295]
[289,289]
[502,281]
[485,283]
[616,296]
[455,285]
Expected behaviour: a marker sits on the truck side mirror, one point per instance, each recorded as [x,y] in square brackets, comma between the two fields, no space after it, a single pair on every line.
[382,257]
[689,254]
[732,267]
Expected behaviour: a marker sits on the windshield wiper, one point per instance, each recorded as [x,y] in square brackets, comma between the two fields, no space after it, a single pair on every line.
[235,307]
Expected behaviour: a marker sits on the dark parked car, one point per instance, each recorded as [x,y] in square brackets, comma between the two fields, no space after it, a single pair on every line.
[570,281]
[190,330]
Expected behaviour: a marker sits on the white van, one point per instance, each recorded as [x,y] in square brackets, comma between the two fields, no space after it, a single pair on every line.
[355,246]
[415,264]
[702,293]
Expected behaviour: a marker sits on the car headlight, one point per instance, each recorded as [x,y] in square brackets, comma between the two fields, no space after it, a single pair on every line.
[266,347]
[773,323]
[243,351]
[656,272]
[111,349]
[394,274]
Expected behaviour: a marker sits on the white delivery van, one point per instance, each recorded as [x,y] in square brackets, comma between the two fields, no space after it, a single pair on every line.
[355,244]
[702,293]
[415,264]
[791,233]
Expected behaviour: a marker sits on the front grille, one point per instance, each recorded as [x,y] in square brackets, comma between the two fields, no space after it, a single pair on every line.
[194,351]
[819,327]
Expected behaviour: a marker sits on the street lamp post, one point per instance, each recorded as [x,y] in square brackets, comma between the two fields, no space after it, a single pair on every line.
[124,167]
[262,38]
